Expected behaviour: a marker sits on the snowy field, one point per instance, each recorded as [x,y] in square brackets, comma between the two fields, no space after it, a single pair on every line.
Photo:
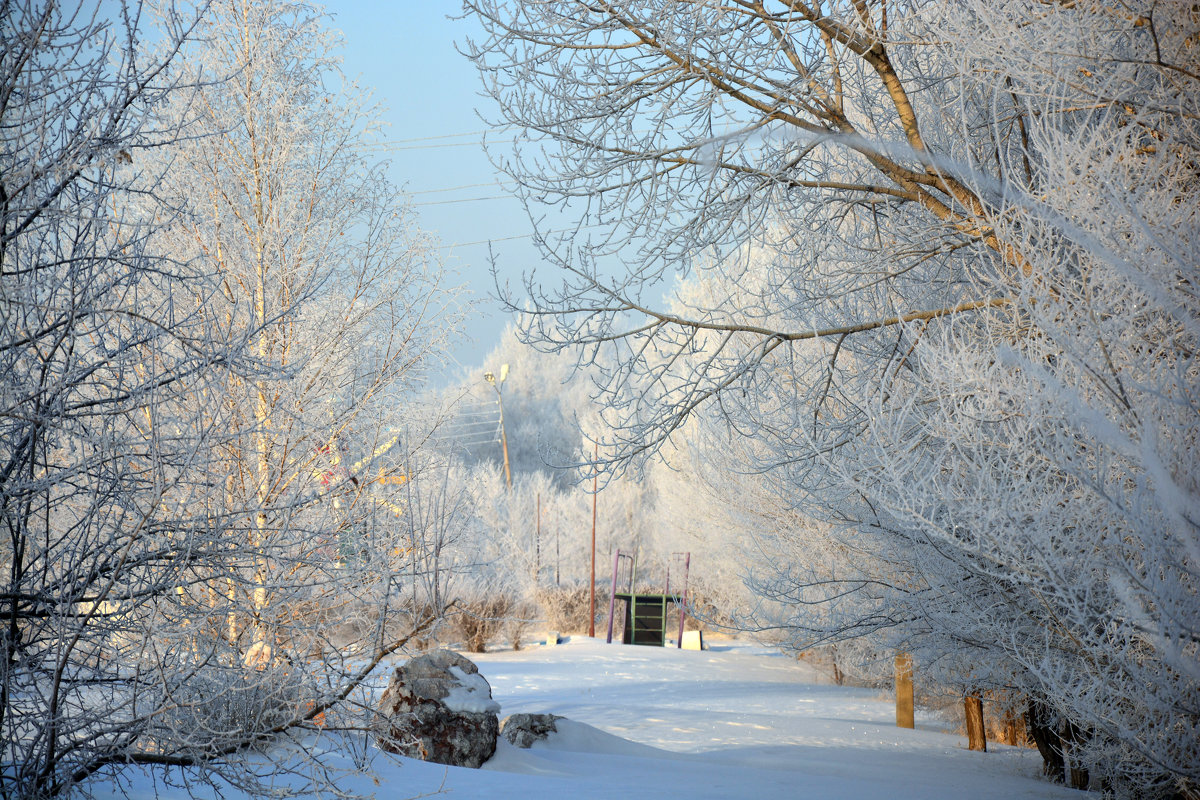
[735,721]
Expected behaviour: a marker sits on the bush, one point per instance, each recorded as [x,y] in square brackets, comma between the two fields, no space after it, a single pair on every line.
[565,609]
[479,622]
[218,708]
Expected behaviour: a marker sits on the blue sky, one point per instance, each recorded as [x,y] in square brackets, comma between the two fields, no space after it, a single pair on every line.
[405,53]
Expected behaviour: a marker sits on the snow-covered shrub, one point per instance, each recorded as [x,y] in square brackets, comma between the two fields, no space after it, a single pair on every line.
[479,622]
[565,609]
[214,709]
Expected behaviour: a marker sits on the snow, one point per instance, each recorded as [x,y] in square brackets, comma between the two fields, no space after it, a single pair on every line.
[471,696]
[738,720]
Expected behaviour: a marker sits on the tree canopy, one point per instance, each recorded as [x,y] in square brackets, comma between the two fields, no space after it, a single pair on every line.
[939,270]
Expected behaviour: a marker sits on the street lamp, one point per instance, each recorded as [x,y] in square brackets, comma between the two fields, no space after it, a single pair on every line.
[491,378]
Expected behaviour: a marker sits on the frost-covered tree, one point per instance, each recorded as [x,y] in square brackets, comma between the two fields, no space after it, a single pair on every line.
[325,278]
[544,403]
[953,247]
[100,504]
[210,306]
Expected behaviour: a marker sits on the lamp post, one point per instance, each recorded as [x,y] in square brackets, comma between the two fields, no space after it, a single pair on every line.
[491,378]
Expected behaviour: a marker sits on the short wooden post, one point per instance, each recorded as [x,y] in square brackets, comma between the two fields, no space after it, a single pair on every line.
[904,691]
[1012,728]
[976,735]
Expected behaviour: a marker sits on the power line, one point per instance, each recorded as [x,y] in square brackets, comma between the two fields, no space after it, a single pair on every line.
[392,148]
[440,136]
[466,200]
[419,142]
[518,236]
[432,142]
[488,241]
[479,429]
[455,188]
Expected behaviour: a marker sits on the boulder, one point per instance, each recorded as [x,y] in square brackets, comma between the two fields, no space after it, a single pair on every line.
[438,708]
[522,730]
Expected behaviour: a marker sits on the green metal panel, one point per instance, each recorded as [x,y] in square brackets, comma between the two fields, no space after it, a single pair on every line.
[646,618]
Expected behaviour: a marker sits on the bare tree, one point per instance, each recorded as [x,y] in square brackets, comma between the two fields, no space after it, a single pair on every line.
[684,128]
[325,277]
[942,268]
[322,272]
[97,487]
[211,306]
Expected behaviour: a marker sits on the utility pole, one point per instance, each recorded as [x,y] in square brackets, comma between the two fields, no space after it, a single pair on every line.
[490,378]
[537,561]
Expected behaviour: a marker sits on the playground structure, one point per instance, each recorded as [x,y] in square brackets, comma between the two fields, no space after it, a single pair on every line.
[646,613]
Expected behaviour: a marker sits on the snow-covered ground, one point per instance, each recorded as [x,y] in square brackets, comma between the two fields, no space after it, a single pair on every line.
[734,721]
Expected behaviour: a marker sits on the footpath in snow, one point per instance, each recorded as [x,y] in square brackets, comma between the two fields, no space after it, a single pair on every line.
[735,721]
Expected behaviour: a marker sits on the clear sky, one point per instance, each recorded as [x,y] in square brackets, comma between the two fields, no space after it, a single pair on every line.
[405,52]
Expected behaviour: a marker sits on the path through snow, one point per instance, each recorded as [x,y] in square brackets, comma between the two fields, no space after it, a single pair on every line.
[736,721]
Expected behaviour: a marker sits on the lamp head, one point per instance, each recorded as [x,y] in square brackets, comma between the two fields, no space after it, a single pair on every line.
[489,377]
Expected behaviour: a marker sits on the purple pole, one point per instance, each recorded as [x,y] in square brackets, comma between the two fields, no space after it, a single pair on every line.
[612,596]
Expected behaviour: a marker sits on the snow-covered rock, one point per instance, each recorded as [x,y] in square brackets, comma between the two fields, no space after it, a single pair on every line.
[522,730]
[438,708]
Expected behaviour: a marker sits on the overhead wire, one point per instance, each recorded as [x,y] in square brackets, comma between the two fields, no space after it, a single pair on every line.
[419,143]
[466,200]
[393,148]
[455,188]
[440,140]
[440,136]
[430,142]
[519,236]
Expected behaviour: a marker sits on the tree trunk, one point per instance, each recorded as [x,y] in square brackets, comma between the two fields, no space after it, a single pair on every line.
[1038,720]
[905,717]
[976,734]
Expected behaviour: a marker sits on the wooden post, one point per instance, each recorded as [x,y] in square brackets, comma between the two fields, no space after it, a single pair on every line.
[1012,728]
[904,691]
[976,735]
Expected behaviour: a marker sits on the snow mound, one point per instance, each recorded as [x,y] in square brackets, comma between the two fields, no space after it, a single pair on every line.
[579,737]
[560,754]
[472,695]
